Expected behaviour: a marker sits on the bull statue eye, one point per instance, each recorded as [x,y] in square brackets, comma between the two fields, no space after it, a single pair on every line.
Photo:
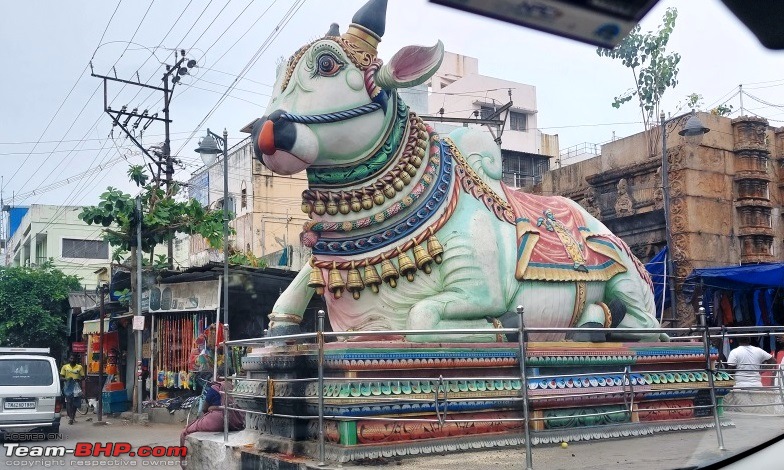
[329,65]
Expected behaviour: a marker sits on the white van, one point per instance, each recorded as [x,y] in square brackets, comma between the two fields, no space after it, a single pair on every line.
[30,395]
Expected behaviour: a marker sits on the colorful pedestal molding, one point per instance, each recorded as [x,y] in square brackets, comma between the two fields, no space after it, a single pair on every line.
[446,397]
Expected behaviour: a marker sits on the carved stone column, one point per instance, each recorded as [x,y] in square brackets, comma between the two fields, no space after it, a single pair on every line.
[752,179]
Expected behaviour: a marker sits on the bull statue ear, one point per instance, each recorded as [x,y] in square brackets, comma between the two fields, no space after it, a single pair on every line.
[411,66]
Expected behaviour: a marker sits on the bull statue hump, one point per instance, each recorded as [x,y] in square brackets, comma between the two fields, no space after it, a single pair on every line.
[411,230]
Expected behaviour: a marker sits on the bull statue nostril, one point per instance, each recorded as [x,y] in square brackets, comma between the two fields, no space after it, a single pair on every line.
[266,138]
[271,133]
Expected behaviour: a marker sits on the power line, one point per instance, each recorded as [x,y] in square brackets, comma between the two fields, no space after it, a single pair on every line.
[107,28]
[264,46]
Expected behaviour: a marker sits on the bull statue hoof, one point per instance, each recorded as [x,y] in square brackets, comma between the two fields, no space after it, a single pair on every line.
[589,336]
[283,330]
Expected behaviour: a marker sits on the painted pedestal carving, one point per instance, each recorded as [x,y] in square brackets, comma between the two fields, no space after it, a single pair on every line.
[458,397]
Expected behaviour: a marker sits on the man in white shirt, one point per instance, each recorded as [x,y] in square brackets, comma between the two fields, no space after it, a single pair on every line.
[746,360]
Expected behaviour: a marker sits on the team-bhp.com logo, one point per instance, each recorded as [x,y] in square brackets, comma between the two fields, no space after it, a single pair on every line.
[93,449]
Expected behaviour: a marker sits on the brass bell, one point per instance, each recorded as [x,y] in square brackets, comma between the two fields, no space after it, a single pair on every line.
[388,273]
[354,282]
[356,206]
[378,198]
[422,259]
[307,207]
[398,184]
[410,169]
[407,267]
[316,280]
[372,278]
[367,202]
[319,207]
[332,207]
[405,177]
[416,160]
[389,191]
[434,248]
[343,207]
[336,284]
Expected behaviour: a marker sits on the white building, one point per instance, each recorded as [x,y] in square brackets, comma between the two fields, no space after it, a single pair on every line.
[458,90]
[56,233]
[266,207]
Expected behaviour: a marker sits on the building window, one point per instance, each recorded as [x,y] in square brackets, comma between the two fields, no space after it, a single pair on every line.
[87,249]
[243,196]
[518,121]
[230,204]
[485,112]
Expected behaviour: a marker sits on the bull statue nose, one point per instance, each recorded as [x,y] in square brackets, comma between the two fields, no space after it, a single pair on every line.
[273,133]
[266,138]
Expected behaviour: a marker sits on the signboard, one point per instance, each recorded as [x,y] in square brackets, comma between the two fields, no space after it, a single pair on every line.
[138,322]
[79,347]
[184,297]
[599,22]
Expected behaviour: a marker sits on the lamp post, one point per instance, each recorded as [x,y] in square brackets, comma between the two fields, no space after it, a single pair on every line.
[208,149]
[693,130]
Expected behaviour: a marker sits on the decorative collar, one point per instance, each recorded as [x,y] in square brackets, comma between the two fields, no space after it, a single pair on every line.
[373,165]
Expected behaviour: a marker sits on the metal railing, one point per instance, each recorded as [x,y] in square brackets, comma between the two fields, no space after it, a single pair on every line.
[435,390]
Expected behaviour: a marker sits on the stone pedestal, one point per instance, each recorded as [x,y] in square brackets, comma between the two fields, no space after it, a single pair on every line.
[383,399]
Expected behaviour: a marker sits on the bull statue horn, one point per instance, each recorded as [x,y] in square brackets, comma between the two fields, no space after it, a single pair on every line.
[367,26]
[372,16]
[334,30]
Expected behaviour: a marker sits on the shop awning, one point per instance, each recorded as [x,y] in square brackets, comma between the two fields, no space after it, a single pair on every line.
[753,276]
[93,327]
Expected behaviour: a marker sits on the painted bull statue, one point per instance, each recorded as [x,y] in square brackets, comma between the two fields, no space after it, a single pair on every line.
[412,230]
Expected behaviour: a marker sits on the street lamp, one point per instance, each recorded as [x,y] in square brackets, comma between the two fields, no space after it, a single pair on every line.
[693,131]
[209,150]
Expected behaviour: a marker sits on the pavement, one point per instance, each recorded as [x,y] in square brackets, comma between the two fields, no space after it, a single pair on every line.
[85,430]
[671,450]
[659,451]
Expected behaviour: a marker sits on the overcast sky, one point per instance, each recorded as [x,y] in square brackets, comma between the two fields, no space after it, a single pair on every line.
[53,129]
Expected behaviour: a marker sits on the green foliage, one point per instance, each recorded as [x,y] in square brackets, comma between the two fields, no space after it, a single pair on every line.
[695,101]
[692,101]
[34,307]
[163,216]
[722,110]
[654,69]
[123,296]
[246,258]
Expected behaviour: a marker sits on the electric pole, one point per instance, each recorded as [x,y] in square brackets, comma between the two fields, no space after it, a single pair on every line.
[163,159]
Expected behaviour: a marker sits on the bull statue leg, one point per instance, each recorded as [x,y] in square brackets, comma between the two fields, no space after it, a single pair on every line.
[288,309]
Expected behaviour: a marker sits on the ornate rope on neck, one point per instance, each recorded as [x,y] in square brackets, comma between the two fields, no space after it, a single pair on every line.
[383,188]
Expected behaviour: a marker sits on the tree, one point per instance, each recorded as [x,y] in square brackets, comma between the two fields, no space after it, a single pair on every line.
[163,215]
[34,307]
[654,70]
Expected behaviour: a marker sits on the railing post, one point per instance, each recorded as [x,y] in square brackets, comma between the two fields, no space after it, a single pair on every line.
[780,380]
[714,403]
[522,340]
[320,391]
[627,380]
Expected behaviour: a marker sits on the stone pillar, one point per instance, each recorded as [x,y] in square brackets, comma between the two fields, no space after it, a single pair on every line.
[752,182]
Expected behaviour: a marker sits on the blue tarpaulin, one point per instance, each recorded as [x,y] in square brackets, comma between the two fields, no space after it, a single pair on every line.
[655,268]
[752,276]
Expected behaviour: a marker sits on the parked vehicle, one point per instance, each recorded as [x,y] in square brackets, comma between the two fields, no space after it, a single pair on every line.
[30,394]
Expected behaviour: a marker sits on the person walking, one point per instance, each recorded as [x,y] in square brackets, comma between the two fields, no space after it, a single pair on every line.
[72,374]
[745,361]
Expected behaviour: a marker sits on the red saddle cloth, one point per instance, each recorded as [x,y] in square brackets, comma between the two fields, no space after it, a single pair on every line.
[554,243]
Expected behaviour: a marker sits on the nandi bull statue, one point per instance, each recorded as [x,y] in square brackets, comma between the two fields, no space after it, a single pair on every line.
[412,230]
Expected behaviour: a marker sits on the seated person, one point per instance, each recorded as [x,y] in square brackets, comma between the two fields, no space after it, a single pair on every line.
[212,420]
